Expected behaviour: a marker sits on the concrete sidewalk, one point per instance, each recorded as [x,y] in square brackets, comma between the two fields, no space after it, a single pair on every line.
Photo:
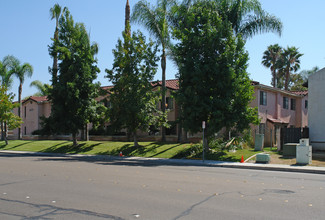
[162,161]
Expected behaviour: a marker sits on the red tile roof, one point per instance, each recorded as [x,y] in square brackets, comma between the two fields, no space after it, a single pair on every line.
[37,99]
[170,84]
[304,93]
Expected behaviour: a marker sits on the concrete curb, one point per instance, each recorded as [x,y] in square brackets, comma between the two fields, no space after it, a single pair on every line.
[162,161]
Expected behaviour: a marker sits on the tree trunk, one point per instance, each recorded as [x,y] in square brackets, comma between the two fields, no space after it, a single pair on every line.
[19,109]
[2,130]
[74,139]
[5,130]
[184,135]
[87,133]
[179,132]
[82,135]
[274,77]
[55,60]
[135,137]
[6,140]
[287,76]
[163,92]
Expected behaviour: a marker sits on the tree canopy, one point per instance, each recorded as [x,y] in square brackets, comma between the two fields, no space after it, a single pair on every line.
[283,62]
[246,17]
[214,84]
[74,95]
[6,107]
[133,103]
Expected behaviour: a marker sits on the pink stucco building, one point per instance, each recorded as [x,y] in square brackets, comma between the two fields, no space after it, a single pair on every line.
[278,108]
[32,109]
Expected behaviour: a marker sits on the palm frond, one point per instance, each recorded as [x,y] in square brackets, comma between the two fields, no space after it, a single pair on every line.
[260,24]
[154,19]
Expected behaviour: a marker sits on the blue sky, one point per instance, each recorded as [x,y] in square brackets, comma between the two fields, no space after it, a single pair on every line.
[26,29]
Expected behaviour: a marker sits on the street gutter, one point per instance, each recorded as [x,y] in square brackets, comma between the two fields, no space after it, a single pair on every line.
[163,161]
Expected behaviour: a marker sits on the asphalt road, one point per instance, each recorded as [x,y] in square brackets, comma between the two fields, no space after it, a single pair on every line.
[33,187]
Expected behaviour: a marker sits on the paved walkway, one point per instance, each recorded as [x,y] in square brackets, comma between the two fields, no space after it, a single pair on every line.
[161,161]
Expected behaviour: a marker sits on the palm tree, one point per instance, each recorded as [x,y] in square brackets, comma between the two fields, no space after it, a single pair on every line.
[155,20]
[290,60]
[5,75]
[55,13]
[246,17]
[20,71]
[271,59]
[43,88]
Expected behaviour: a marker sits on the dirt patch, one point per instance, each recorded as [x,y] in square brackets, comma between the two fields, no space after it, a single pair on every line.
[318,160]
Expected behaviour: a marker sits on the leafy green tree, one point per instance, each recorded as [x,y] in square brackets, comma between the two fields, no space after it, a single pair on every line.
[290,62]
[155,20]
[6,80]
[214,84]
[21,71]
[74,95]
[56,13]
[271,59]
[43,88]
[6,107]
[247,17]
[133,103]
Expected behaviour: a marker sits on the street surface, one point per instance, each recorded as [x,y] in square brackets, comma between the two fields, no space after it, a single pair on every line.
[42,187]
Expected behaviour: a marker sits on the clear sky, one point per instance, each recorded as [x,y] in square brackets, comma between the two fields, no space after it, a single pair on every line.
[26,29]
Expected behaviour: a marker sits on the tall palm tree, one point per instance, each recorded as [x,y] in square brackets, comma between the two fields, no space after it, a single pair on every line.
[5,75]
[21,71]
[246,17]
[290,63]
[55,13]
[271,58]
[155,20]
[43,88]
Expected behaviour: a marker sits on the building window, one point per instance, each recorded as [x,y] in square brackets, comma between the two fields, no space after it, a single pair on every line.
[169,103]
[263,98]
[25,111]
[293,104]
[285,102]
[25,131]
[306,104]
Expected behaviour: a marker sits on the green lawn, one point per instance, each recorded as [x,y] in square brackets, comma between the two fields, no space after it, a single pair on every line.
[147,149]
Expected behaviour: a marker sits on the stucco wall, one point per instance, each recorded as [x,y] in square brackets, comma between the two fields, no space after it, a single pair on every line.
[30,114]
[316,109]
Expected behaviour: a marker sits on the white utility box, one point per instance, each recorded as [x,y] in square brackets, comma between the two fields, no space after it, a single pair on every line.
[303,152]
